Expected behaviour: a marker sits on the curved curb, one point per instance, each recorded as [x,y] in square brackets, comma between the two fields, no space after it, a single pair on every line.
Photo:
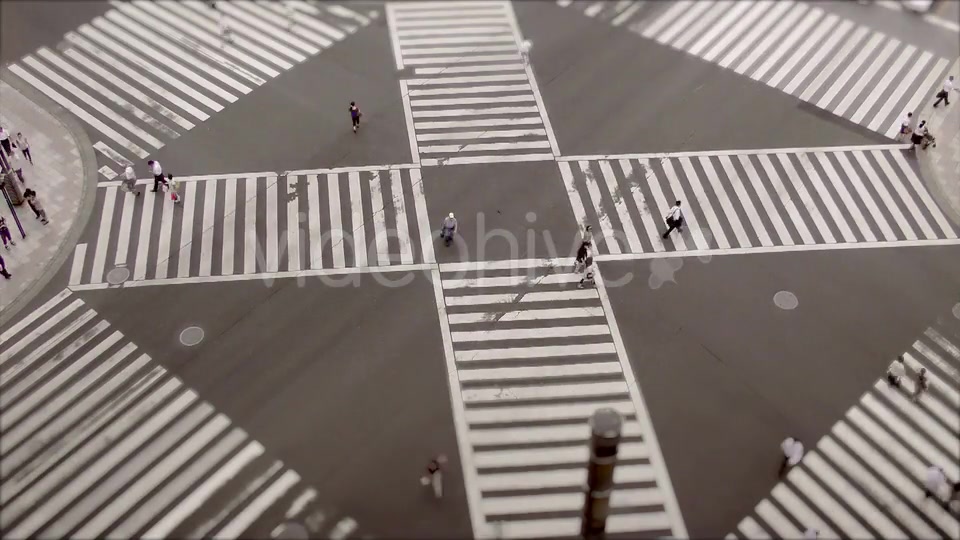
[88,192]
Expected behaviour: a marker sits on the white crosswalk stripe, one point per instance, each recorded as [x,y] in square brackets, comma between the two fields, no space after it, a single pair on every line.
[865,478]
[261,223]
[862,75]
[100,441]
[467,64]
[139,93]
[535,357]
[753,198]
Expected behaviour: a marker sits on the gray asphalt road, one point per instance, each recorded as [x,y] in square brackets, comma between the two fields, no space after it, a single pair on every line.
[727,375]
[29,25]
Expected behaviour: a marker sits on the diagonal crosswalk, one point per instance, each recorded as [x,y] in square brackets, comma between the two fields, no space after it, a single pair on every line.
[474,98]
[850,70]
[865,479]
[535,357]
[100,441]
[259,223]
[751,199]
[139,93]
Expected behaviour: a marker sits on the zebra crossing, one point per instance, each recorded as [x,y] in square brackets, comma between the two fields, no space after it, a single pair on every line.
[751,199]
[865,479]
[139,92]
[850,70]
[259,223]
[535,357]
[474,98]
[100,441]
[619,13]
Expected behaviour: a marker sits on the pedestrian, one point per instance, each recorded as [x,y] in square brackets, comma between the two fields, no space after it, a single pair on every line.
[586,274]
[448,229]
[906,126]
[923,383]
[587,235]
[525,46]
[36,205]
[174,189]
[895,372]
[944,93]
[792,453]
[5,233]
[5,141]
[934,482]
[157,172]
[917,136]
[24,147]
[355,115]
[674,219]
[434,476]
[3,268]
[583,264]
[129,183]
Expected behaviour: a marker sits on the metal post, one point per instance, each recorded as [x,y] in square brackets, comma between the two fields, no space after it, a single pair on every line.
[13,211]
[605,426]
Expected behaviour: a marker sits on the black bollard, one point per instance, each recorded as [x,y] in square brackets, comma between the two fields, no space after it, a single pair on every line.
[605,426]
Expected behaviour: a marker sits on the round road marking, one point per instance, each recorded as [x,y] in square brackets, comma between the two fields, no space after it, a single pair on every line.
[191,336]
[118,275]
[785,300]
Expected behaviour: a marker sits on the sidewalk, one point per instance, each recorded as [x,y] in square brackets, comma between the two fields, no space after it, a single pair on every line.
[941,165]
[64,177]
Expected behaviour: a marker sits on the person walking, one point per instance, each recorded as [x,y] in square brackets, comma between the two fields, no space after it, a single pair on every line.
[3,269]
[36,205]
[525,47]
[5,233]
[917,136]
[944,93]
[355,115]
[906,126]
[674,219]
[174,189]
[448,228]
[130,181]
[923,383]
[895,372]
[434,476]
[587,235]
[934,482]
[5,141]
[792,453]
[24,147]
[157,172]
[584,264]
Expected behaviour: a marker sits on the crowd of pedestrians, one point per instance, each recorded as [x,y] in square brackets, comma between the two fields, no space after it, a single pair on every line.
[15,152]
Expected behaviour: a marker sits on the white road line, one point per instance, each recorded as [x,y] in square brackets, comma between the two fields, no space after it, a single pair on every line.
[826,47]
[408,118]
[472,100]
[336,226]
[509,281]
[530,333]
[423,220]
[379,220]
[805,199]
[924,195]
[293,223]
[746,42]
[186,230]
[826,72]
[743,23]
[706,207]
[229,226]
[689,218]
[787,44]
[865,197]
[840,81]
[400,212]
[619,203]
[123,235]
[781,190]
[653,182]
[262,32]
[781,525]
[795,506]
[356,234]
[754,218]
[573,194]
[483,147]
[666,18]
[719,28]
[544,351]
[503,393]
[250,245]
[881,190]
[905,83]
[865,77]
[728,210]
[143,243]
[36,353]
[313,220]
[766,201]
[826,198]
[103,234]
[271,238]
[76,268]
[646,214]
[608,235]
[475,135]
[546,412]
[258,506]
[934,76]
[845,198]
[447,113]
[204,491]
[881,86]
[206,231]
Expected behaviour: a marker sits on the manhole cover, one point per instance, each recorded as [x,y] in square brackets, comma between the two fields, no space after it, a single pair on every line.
[191,336]
[118,275]
[956,311]
[290,530]
[785,300]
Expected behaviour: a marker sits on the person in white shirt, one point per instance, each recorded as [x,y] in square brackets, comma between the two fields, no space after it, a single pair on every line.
[674,219]
[525,46]
[792,453]
[906,126]
[130,181]
[934,482]
[917,136]
[896,371]
[923,383]
[5,140]
[24,147]
[157,172]
[944,93]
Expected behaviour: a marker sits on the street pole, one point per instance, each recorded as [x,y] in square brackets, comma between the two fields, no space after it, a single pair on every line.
[605,426]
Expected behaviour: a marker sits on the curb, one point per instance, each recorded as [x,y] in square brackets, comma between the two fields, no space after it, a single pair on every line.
[88,192]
